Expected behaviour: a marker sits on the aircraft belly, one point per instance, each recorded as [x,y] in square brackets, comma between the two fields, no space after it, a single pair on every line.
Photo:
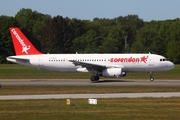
[138,68]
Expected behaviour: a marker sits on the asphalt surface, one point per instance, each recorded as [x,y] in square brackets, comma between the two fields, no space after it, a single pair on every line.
[76,82]
[113,95]
[86,82]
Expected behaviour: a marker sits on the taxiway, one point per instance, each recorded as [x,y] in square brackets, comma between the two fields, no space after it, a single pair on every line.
[112,95]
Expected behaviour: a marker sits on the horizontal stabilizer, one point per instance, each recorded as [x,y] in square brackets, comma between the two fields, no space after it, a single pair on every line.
[17,58]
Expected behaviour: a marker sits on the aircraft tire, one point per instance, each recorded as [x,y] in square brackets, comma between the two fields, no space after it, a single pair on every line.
[151,79]
[94,78]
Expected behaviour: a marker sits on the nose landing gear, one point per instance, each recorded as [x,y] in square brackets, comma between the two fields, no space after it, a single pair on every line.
[151,76]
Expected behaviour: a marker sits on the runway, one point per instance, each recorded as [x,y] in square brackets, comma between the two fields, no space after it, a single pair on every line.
[86,82]
[113,95]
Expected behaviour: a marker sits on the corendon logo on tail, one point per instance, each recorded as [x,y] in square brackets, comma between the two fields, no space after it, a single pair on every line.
[25,48]
[130,60]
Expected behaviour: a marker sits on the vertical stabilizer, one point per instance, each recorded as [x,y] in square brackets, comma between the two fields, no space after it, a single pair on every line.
[22,45]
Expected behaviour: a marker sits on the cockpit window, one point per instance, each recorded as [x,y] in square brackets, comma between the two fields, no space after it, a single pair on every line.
[163,59]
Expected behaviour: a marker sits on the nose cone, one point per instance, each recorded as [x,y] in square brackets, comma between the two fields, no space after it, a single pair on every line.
[170,65]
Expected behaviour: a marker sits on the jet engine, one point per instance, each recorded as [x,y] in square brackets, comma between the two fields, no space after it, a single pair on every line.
[113,72]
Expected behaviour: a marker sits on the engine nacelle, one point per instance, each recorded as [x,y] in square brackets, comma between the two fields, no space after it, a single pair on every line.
[113,72]
[82,70]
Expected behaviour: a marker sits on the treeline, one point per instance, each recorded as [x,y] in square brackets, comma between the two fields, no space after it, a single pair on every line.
[128,34]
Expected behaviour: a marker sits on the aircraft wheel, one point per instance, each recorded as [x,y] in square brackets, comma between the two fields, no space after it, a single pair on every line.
[151,76]
[94,78]
[151,79]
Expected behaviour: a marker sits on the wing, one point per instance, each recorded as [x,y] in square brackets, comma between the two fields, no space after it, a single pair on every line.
[89,66]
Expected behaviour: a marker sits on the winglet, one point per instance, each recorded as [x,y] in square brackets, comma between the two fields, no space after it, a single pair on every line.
[22,45]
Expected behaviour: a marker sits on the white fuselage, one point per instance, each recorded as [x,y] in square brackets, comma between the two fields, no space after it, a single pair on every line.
[128,62]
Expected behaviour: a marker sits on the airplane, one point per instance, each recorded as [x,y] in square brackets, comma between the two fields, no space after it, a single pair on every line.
[106,65]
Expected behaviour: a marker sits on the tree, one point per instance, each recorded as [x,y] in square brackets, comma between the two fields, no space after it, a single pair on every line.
[148,40]
[6,46]
[130,25]
[64,35]
[173,51]
[113,42]
[56,36]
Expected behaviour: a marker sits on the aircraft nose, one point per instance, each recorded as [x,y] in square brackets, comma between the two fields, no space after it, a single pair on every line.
[170,65]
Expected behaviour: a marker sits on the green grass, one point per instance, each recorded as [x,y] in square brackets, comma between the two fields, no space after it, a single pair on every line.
[14,71]
[31,90]
[107,109]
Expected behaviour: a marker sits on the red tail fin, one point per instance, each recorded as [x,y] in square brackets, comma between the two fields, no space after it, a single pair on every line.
[22,45]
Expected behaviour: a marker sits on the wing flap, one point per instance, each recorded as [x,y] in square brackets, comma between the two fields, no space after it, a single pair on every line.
[89,66]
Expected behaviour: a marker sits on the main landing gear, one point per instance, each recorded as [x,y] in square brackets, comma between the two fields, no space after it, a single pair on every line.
[94,76]
[151,76]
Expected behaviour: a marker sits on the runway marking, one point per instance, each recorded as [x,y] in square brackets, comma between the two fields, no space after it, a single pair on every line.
[113,95]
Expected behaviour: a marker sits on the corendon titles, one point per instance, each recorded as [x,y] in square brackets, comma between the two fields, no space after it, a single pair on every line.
[130,60]
[25,48]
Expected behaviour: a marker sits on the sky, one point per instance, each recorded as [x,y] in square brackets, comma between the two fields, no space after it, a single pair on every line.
[89,9]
